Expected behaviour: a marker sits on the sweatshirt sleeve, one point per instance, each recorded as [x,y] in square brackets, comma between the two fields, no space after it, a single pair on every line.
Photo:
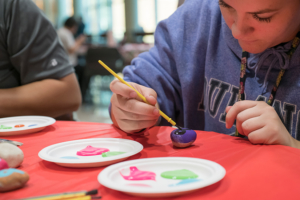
[164,67]
[157,69]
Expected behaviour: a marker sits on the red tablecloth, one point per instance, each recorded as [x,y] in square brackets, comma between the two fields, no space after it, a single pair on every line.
[252,171]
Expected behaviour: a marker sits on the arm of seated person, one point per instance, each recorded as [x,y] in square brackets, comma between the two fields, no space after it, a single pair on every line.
[78,43]
[49,97]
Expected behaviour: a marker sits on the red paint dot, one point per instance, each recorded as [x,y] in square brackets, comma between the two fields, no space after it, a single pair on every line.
[19,125]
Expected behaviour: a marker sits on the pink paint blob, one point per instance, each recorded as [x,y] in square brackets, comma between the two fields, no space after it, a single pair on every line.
[91,151]
[137,175]
[3,164]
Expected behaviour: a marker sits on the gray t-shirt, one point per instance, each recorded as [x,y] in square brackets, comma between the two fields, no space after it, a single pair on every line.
[29,46]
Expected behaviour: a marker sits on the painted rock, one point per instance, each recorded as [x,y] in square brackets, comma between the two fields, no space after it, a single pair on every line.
[183,138]
[11,154]
[3,164]
[11,179]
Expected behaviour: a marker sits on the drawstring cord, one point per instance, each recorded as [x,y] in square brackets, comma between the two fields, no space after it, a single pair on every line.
[281,57]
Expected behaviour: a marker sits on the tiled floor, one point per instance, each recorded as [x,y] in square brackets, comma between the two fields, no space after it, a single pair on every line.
[97,99]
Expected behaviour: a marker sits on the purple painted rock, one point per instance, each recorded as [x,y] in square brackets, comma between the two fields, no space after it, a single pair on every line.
[3,164]
[183,138]
[11,179]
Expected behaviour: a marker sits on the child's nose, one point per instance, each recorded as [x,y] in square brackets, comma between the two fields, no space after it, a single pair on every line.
[241,30]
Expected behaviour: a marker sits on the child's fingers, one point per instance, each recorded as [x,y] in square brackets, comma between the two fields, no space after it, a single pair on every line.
[130,121]
[120,88]
[245,115]
[148,93]
[252,125]
[257,136]
[227,109]
[130,111]
[236,109]
[152,100]
[125,115]
[135,106]
[130,126]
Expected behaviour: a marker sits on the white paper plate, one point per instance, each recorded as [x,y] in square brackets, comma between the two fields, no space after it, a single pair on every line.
[64,153]
[208,173]
[30,124]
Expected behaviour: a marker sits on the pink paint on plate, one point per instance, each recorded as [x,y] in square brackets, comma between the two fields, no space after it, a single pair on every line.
[139,185]
[137,175]
[91,151]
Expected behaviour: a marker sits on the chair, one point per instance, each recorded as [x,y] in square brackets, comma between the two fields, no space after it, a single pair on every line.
[110,56]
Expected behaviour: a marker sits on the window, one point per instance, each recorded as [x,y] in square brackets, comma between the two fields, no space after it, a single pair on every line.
[118,19]
[165,8]
[150,12]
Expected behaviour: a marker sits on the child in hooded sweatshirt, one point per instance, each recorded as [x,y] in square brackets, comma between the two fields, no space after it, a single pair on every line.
[209,55]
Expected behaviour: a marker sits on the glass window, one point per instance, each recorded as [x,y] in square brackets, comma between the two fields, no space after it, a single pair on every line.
[146,15]
[165,8]
[100,15]
[118,19]
[150,12]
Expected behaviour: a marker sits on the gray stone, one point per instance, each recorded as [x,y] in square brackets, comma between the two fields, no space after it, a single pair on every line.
[12,154]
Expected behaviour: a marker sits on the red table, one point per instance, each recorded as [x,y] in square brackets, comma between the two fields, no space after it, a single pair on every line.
[252,171]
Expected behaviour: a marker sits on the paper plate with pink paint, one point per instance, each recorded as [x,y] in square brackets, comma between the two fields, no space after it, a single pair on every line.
[161,177]
[93,152]
[10,126]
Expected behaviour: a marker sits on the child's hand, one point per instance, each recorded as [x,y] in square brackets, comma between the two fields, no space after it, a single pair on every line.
[128,111]
[260,122]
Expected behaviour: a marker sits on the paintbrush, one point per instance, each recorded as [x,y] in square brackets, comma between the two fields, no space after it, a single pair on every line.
[11,141]
[84,195]
[139,94]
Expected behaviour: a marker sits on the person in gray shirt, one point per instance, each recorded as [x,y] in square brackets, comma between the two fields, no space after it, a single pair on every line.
[36,77]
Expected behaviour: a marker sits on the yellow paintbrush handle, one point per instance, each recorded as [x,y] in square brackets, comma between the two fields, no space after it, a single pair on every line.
[62,196]
[139,94]
[80,198]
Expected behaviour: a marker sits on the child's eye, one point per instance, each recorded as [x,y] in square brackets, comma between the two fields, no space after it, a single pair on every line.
[221,3]
[268,19]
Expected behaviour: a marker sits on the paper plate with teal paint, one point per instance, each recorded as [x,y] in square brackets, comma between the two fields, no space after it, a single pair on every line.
[161,177]
[20,125]
[93,152]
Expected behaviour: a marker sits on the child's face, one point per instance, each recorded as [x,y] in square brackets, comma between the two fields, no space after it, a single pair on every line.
[261,24]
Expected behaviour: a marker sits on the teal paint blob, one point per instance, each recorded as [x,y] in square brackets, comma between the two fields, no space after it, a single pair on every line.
[10,171]
[186,181]
[69,157]
[112,153]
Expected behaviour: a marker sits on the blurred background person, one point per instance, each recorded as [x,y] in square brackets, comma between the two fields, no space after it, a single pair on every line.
[36,77]
[81,27]
[73,46]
